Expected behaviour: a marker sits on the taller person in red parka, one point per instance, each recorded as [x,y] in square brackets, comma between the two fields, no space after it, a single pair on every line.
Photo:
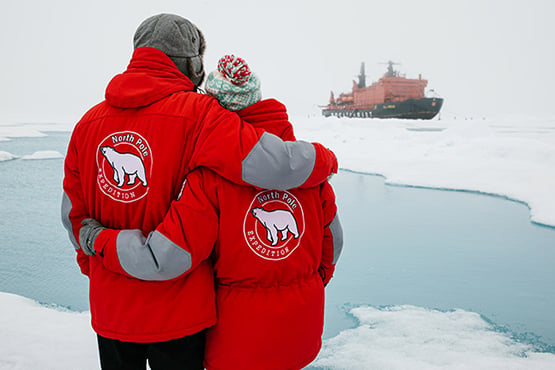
[273,250]
[126,161]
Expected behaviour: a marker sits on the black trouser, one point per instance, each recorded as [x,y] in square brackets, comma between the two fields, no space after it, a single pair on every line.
[185,353]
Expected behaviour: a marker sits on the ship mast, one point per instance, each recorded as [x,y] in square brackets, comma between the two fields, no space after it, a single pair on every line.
[361,77]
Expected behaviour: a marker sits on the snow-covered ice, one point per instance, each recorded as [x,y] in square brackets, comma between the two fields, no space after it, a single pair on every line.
[6,156]
[8,131]
[513,157]
[44,154]
[408,337]
[40,337]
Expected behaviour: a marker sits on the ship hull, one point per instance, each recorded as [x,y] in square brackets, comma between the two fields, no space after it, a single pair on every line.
[425,108]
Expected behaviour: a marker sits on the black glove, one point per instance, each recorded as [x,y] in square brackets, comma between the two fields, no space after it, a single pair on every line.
[87,235]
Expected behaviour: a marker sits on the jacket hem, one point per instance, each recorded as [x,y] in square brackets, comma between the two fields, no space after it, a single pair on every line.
[153,337]
[298,366]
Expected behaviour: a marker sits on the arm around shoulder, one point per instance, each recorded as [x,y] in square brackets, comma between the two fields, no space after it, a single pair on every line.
[245,155]
[181,241]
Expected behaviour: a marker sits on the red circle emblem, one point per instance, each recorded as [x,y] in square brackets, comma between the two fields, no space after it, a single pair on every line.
[274,224]
[124,161]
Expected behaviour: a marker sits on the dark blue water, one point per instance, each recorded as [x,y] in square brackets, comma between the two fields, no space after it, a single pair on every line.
[428,248]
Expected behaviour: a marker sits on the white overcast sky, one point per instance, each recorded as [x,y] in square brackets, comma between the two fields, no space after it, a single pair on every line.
[485,57]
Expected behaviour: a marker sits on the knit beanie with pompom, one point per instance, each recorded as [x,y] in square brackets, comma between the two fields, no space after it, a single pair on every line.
[233,84]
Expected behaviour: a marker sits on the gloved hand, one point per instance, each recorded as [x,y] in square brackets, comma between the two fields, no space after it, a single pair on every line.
[87,235]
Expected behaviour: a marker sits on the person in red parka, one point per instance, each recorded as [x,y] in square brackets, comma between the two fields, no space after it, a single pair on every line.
[273,250]
[126,162]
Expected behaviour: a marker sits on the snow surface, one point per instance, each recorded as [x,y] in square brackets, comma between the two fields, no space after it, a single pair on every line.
[408,337]
[14,130]
[6,156]
[40,337]
[512,157]
[44,154]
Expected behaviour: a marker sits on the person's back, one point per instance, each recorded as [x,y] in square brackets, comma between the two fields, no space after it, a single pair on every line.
[126,161]
[131,158]
[275,250]
[269,292]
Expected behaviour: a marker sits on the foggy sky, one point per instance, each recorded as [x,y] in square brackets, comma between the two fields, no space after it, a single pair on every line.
[484,57]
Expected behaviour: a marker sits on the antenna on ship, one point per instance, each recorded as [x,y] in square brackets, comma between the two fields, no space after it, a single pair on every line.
[390,71]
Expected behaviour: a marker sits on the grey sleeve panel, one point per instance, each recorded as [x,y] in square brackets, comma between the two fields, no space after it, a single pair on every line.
[337,236]
[155,258]
[276,164]
[66,208]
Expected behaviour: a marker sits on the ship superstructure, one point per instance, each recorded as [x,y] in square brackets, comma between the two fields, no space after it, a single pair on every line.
[392,96]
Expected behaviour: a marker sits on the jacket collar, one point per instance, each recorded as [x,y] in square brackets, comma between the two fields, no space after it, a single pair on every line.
[150,76]
[271,116]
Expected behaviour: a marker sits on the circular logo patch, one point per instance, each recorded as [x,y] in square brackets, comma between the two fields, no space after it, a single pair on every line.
[124,161]
[274,224]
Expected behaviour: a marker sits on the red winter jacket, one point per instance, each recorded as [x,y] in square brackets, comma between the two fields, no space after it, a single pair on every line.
[273,251]
[126,162]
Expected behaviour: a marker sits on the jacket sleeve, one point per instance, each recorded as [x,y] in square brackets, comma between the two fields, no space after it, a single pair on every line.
[333,234]
[185,238]
[245,155]
[73,209]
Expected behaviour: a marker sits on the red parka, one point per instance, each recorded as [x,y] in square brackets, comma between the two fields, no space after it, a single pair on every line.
[126,161]
[273,251]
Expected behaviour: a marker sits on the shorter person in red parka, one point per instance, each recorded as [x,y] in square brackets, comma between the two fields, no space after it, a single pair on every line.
[273,251]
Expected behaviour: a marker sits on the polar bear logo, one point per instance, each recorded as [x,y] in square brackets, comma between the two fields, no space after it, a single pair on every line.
[125,164]
[274,221]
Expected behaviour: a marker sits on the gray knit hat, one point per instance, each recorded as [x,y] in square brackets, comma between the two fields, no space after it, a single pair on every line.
[179,39]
